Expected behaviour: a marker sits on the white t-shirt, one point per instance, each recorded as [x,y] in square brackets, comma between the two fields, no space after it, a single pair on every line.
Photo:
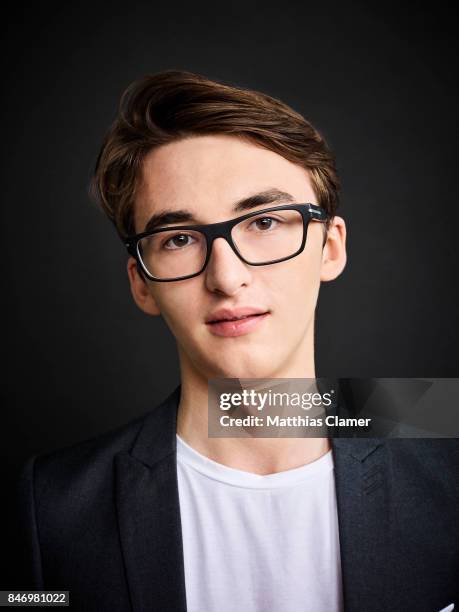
[257,543]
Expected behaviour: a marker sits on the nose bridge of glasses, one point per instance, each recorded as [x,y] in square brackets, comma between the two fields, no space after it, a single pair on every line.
[221,230]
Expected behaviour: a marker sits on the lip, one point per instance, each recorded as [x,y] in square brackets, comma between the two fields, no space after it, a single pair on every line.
[230,322]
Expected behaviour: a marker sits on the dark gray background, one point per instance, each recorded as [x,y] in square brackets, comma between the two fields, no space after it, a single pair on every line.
[379,82]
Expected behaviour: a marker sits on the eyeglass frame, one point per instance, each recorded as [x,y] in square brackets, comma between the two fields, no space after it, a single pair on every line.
[222,229]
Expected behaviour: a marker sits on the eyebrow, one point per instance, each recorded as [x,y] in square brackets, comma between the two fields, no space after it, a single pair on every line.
[269,196]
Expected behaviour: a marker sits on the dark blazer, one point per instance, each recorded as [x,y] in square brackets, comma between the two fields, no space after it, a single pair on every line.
[103,521]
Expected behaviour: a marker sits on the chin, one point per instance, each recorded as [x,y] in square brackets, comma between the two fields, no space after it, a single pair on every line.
[239,367]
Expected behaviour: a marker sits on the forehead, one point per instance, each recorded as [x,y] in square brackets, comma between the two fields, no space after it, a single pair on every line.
[207,174]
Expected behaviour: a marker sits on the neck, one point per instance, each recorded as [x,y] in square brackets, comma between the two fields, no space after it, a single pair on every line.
[256,455]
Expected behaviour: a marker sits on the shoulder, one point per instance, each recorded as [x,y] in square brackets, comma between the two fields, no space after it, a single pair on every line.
[426,452]
[82,466]
[410,466]
[428,465]
[87,469]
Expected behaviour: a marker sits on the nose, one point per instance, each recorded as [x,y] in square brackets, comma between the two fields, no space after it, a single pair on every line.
[225,272]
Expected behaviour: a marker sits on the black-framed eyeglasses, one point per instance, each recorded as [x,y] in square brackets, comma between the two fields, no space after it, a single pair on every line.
[259,239]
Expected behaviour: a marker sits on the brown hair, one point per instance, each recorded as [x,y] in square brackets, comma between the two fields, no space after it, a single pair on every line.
[165,107]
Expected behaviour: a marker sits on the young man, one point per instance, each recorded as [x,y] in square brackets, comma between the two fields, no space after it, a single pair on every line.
[226,200]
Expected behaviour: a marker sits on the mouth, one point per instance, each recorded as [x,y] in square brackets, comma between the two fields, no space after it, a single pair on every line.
[237,322]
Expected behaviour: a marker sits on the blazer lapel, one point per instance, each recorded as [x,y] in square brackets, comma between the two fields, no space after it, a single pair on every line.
[149,514]
[362,488]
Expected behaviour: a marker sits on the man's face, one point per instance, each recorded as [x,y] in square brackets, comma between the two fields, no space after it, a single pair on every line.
[207,176]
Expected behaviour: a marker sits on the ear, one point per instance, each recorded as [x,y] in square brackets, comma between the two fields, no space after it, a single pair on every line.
[334,252]
[140,290]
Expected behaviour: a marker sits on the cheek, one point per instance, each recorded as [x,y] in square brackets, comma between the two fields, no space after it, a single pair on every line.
[179,305]
[293,283]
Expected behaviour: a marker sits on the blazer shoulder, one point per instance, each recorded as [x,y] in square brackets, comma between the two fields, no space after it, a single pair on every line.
[441,451]
[73,476]
[434,462]
[85,465]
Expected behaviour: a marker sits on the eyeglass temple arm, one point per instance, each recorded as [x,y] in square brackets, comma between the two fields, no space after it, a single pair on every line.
[319,214]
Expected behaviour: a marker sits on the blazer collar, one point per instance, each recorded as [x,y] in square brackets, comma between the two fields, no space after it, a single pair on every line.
[149,514]
[362,486]
[362,481]
[157,438]
[150,526]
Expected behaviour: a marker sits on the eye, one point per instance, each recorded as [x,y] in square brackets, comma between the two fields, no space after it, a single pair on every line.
[264,223]
[179,241]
